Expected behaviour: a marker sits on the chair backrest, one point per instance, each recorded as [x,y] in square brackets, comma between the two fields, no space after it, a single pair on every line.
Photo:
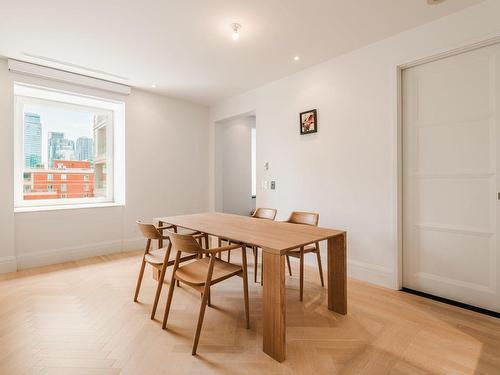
[308,218]
[149,231]
[185,243]
[265,213]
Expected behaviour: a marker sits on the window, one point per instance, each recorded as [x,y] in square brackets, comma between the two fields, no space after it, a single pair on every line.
[57,132]
[254,161]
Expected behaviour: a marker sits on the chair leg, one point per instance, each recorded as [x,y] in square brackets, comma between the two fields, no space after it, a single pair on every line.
[288,263]
[206,293]
[160,281]
[139,280]
[171,290]
[200,322]
[169,302]
[141,272]
[320,267]
[245,284]
[229,256]
[255,260]
[301,273]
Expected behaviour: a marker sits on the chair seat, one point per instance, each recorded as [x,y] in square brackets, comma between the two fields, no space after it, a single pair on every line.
[156,256]
[296,252]
[195,273]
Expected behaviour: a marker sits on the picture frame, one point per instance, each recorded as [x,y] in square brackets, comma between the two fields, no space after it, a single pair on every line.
[308,122]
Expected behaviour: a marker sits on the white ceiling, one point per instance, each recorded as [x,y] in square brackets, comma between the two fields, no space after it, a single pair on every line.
[184,47]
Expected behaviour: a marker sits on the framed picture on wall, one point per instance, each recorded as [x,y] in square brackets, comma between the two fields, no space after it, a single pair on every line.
[308,122]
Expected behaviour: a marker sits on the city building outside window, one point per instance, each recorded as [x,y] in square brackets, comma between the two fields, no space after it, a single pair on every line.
[67,146]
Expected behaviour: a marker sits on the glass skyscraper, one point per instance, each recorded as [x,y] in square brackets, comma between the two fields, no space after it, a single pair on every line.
[60,148]
[32,140]
[84,149]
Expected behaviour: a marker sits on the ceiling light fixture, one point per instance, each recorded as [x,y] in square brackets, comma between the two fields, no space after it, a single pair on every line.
[296,58]
[153,86]
[236,31]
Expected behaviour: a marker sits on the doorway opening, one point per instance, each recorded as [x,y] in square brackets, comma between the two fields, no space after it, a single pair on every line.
[235,165]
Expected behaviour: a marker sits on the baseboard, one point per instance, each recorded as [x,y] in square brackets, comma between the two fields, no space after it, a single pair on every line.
[8,264]
[372,273]
[67,254]
[133,244]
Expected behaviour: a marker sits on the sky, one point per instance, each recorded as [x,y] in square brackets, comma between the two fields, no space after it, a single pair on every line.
[72,122]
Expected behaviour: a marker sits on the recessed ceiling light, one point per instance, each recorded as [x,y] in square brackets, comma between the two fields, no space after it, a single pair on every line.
[153,86]
[236,31]
[296,58]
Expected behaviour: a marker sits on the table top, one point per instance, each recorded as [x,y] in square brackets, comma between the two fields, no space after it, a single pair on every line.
[273,236]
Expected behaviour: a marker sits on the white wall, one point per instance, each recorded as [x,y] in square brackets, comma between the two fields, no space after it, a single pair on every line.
[234,161]
[348,171]
[166,158]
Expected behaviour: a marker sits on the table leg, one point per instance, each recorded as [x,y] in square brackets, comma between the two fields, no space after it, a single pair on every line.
[337,274]
[274,329]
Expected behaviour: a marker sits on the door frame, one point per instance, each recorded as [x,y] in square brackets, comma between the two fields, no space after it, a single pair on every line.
[399,136]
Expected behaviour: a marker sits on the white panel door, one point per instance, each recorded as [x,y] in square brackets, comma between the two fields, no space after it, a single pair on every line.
[450,177]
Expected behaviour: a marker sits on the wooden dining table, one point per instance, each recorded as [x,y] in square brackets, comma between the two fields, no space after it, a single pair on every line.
[276,238]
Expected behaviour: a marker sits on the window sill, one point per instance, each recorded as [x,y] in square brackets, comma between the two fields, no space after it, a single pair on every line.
[67,207]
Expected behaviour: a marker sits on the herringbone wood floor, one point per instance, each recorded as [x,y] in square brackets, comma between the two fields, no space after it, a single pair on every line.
[79,318]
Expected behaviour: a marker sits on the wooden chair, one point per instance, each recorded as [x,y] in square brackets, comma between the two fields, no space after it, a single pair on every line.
[159,258]
[307,218]
[202,273]
[259,213]
[267,214]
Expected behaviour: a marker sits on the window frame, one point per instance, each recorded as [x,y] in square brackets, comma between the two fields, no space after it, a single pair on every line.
[115,152]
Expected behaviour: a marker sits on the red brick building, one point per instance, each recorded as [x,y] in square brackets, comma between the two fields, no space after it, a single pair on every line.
[68,179]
